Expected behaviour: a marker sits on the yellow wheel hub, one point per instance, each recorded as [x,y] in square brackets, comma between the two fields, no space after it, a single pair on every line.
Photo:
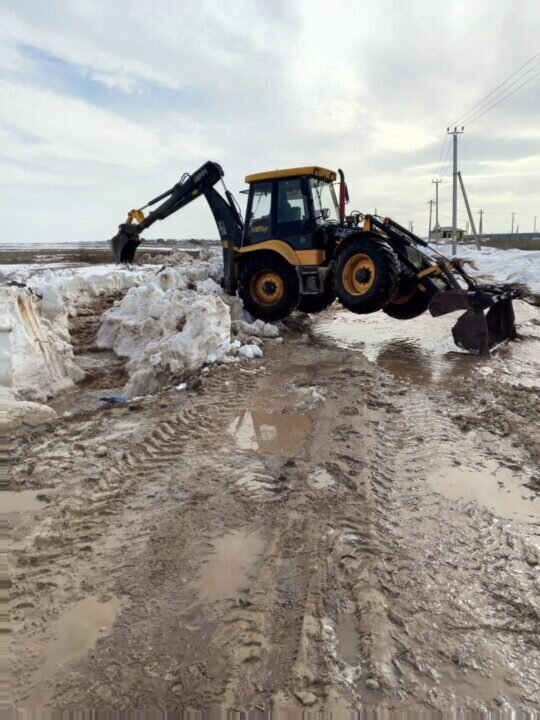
[358,274]
[266,287]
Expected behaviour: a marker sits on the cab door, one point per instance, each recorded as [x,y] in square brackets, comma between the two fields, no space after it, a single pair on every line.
[294,221]
[260,212]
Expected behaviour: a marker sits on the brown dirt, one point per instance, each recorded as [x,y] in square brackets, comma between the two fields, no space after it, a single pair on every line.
[279,535]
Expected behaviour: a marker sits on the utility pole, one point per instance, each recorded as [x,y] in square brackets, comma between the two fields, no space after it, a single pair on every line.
[430,213]
[469,213]
[513,215]
[481,228]
[455,132]
[534,224]
[436,183]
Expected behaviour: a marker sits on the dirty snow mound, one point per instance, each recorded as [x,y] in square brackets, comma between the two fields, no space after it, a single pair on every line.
[507,266]
[177,322]
[36,356]
[69,289]
[513,266]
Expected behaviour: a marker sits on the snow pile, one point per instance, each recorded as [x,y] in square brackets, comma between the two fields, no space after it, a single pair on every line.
[68,289]
[170,321]
[178,321]
[36,356]
[507,266]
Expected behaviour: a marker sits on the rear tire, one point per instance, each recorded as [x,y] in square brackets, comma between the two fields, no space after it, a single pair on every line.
[416,304]
[367,274]
[269,287]
[409,302]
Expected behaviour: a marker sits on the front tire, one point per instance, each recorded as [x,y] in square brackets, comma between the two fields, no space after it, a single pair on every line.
[367,274]
[269,287]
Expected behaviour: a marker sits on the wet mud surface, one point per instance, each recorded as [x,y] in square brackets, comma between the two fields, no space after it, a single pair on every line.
[329,527]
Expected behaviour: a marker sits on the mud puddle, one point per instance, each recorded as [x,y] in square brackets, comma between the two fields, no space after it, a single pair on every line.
[228,568]
[74,633]
[422,350]
[21,501]
[270,432]
[348,638]
[497,488]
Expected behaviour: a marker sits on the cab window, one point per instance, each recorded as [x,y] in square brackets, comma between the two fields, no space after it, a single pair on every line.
[292,205]
[324,199]
[261,211]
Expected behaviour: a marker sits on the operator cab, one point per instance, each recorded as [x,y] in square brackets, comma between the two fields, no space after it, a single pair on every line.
[293,205]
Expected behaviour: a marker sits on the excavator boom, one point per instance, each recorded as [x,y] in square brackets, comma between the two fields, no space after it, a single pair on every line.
[188,188]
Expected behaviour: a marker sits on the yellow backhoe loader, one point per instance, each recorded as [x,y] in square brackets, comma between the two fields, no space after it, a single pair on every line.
[298,249]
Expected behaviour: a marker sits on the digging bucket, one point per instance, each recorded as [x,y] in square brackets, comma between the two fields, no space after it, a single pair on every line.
[124,246]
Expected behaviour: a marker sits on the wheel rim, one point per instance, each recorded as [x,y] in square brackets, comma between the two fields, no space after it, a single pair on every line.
[358,274]
[267,287]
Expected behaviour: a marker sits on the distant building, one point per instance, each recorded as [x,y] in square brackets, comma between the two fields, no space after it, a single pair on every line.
[444,232]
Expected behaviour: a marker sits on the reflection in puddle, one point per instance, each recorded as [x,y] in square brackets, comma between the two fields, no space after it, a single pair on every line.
[270,432]
[422,350]
[21,501]
[493,486]
[227,569]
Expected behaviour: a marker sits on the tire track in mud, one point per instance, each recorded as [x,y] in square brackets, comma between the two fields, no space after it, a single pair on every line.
[452,572]
[428,612]
[332,554]
[64,551]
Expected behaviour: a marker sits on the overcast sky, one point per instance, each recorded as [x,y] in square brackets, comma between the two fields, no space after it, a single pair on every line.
[106,103]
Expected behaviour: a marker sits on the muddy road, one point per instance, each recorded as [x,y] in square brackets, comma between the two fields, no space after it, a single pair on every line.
[351,521]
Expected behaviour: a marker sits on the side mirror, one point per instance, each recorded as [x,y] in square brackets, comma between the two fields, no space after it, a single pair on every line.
[326,213]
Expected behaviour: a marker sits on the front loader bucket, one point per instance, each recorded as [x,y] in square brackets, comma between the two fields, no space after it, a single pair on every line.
[124,247]
[480,333]
[488,321]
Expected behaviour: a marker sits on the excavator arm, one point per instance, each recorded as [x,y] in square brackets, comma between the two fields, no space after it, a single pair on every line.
[190,187]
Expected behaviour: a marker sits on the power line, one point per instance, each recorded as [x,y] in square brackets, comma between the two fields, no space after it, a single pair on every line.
[446,162]
[447,143]
[504,82]
[445,140]
[476,117]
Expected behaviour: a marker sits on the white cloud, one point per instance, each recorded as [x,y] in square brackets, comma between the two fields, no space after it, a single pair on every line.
[125,83]
[366,86]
